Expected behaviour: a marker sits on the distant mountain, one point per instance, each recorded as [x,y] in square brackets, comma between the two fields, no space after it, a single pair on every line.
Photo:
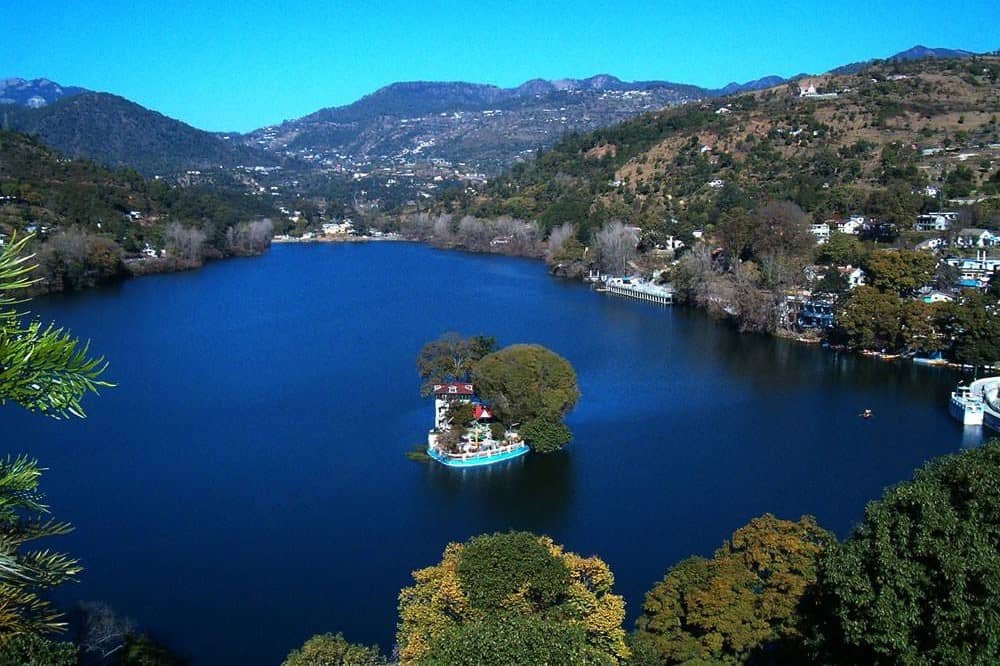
[35,93]
[483,127]
[759,84]
[915,53]
[116,132]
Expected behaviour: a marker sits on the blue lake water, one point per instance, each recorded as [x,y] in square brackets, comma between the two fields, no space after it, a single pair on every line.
[244,486]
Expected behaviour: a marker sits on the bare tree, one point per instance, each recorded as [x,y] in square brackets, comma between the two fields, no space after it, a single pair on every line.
[101,632]
[558,238]
[249,237]
[187,244]
[616,245]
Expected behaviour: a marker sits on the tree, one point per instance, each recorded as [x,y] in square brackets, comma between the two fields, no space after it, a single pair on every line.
[25,574]
[781,230]
[141,650]
[901,272]
[972,325]
[742,602]
[34,650]
[615,245]
[450,359]
[840,250]
[493,583]
[43,369]
[869,319]
[525,383]
[333,650]
[514,640]
[916,583]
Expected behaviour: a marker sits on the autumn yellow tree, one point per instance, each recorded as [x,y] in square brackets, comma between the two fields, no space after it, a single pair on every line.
[740,602]
[486,585]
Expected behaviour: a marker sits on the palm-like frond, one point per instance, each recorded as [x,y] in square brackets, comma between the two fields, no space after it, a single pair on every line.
[25,573]
[42,368]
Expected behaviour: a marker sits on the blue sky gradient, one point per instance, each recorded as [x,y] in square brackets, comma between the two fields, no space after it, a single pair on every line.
[242,65]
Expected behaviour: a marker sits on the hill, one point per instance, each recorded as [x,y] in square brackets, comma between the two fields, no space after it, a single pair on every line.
[871,141]
[480,129]
[93,224]
[35,93]
[119,133]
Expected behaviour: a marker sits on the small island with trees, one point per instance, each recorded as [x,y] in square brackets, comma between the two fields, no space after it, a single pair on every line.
[492,405]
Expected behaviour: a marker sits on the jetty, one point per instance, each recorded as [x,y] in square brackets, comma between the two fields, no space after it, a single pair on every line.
[635,288]
[977,404]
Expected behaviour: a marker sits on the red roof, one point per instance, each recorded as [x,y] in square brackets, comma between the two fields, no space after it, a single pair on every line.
[453,389]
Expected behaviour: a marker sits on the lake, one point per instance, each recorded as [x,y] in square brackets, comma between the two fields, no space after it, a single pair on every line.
[244,485]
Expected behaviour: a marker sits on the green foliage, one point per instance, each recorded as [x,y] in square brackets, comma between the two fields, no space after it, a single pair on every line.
[545,436]
[493,584]
[743,602]
[972,323]
[524,382]
[42,368]
[902,272]
[494,567]
[917,582]
[869,319]
[450,358]
[512,639]
[141,650]
[841,250]
[26,574]
[333,650]
[34,650]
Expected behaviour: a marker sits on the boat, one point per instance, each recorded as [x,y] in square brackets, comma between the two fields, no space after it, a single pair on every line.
[965,406]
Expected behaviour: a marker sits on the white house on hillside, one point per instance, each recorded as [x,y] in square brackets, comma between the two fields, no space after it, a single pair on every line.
[940,221]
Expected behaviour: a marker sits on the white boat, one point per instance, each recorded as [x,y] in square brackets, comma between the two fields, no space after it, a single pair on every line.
[966,406]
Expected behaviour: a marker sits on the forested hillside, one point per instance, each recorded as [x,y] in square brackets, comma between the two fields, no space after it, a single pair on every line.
[92,224]
[870,142]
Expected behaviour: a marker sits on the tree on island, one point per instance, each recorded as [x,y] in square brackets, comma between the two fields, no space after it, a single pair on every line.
[511,598]
[531,386]
[450,359]
[917,582]
[45,370]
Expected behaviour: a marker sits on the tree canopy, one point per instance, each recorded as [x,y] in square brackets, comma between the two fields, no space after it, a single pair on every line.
[917,581]
[741,602]
[530,385]
[450,359]
[333,650]
[494,583]
[42,368]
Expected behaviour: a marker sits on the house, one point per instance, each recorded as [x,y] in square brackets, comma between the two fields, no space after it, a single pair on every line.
[855,276]
[445,394]
[852,225]
[815,313]
[821,230]
[880,232]
[976,272]
[940,221]
[972,237]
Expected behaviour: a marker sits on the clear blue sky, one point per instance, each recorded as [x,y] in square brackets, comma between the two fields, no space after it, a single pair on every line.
[248,63]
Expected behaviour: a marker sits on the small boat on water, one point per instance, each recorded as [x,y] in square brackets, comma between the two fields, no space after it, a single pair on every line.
[867,414]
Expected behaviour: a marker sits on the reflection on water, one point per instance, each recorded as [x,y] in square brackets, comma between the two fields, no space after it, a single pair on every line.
[531,492]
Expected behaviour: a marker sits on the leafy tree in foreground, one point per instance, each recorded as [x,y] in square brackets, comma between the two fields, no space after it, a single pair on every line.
[24,574]
[739,604]
[333,650]
[42,368]
[486,587]
[531,385]
[34,650]
[917,582]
